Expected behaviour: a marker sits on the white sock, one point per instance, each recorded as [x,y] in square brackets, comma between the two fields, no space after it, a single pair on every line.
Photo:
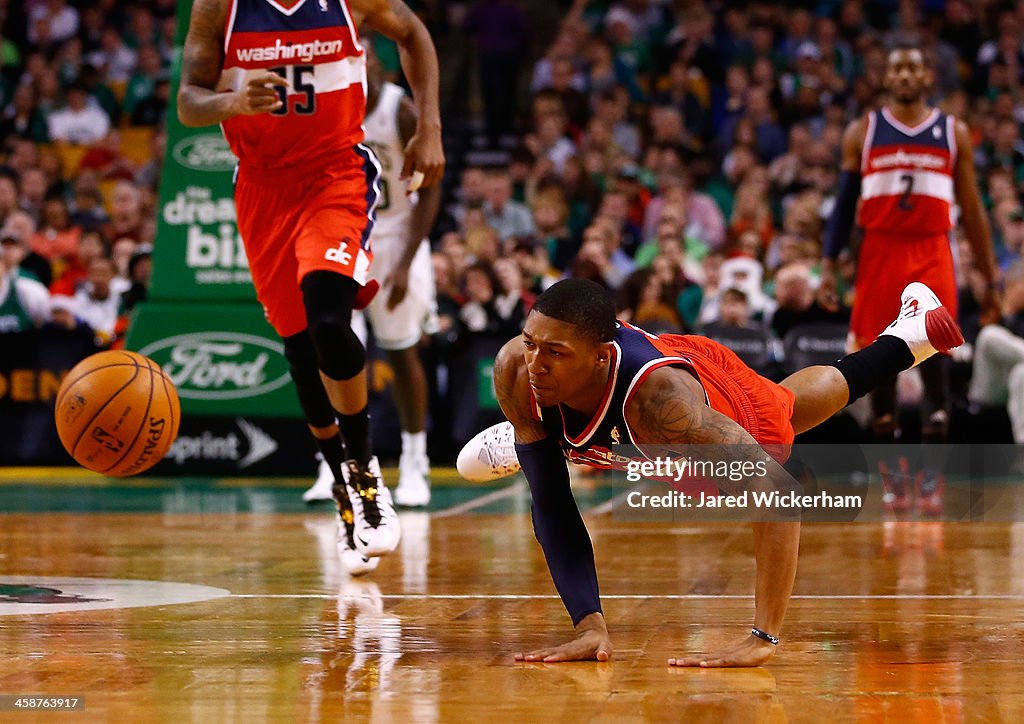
[414,444]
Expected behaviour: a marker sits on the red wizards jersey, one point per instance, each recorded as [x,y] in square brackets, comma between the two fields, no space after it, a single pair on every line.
[907,175]
[760,406]
[314,46]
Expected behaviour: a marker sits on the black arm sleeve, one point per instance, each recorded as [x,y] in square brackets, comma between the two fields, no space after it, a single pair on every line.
[559,528]
[840,224]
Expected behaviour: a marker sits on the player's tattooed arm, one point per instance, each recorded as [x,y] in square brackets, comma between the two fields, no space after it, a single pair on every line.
[512,389]
[669,409]
[393,18]
[202,60]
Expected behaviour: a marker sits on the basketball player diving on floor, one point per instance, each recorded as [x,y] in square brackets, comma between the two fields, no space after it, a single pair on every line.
[576,381]
[286,81]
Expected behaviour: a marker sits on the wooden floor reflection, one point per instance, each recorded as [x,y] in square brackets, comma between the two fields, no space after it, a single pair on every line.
[917,622]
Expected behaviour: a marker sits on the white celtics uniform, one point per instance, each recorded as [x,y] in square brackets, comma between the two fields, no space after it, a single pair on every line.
[401,327]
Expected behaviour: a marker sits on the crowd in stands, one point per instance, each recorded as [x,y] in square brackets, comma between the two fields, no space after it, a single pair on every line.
[83,93]
[684,153]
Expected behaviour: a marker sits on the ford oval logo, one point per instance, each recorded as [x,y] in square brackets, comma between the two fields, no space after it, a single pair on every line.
[221,365]
[205,152]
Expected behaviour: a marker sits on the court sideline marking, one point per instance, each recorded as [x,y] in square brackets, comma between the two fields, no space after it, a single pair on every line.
[662,596]
[517,487]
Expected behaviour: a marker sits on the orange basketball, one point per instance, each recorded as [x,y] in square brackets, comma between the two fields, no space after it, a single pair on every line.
[117,413]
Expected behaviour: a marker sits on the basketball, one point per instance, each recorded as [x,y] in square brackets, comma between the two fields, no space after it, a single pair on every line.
[117,413]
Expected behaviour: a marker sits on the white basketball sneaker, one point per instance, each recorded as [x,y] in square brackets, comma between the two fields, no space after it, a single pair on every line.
[352,561]
[376,525]
[323,488]
[924,324]
[413,489]
[490,455]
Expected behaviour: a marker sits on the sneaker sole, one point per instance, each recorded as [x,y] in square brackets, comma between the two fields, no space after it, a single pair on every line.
[943,332]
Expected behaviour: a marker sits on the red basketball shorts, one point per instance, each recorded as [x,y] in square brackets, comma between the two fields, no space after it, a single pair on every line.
[306,221]
[762,407]
[886,264]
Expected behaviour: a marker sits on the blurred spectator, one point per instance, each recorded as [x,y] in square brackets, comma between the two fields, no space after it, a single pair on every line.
[736,330]
[648,302]
[551,218]
[57,239]
[92,246]
[142,84]
[21,260]
[615,211]
[88,211]
[22,117]
[514,300]
[78,121]
[114,60]
[509,218]
[152,109]
[121,254]
[106,159]
[149,175]
[98,302]
[140,269]
[24,302]
[480,316]
[8,195]
[125,213]
[51,22]
[602,249]
[796,303]
[998,378]
[550,141]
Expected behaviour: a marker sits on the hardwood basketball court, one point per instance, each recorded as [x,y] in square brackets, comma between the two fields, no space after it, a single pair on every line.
[911,621]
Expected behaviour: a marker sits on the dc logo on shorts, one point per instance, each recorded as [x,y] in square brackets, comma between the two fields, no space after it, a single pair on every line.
[340,255]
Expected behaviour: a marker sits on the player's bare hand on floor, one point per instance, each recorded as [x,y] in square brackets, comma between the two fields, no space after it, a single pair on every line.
[591,644]
[752,652]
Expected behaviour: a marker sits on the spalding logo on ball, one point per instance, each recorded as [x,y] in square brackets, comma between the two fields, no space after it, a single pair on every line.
[117,413]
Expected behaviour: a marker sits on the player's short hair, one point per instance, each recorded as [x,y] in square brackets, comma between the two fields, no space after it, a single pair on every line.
[584,304]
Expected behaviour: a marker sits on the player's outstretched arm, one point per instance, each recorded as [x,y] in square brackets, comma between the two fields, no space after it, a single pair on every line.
[202,60]
[976,226]
[424,152]
[669,409]
[841,222]
[557,522]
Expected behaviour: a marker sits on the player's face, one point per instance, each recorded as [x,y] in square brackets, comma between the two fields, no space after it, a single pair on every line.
[906,76]
[559,361]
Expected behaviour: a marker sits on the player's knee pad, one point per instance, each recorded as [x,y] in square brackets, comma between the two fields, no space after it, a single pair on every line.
[301,356]
[329,299]
[302,363]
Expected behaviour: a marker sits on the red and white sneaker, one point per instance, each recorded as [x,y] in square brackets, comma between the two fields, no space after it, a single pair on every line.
[924,324]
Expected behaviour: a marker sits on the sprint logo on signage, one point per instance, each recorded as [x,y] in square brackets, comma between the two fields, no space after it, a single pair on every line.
[209,446]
